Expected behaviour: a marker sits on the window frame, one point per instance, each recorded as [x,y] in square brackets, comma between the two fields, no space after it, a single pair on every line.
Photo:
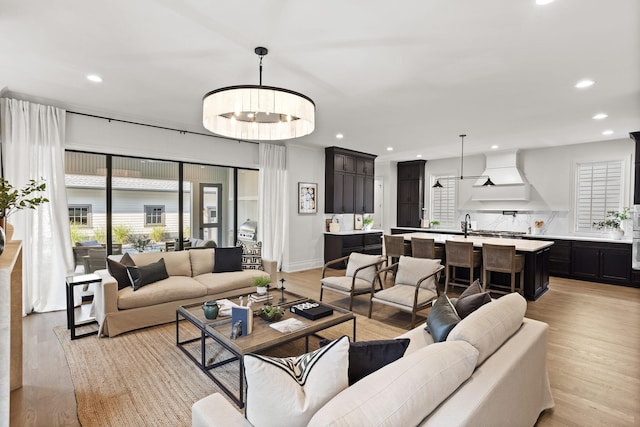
[445,180]
[621,189]
[148,214]
[88,206]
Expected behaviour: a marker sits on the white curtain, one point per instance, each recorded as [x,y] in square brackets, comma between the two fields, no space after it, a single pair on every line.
[273,199]
[33,138]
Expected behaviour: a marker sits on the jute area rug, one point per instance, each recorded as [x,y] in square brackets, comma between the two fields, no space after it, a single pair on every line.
[142,378]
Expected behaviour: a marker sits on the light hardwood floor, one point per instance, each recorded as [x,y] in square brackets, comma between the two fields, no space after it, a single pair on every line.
[593,356]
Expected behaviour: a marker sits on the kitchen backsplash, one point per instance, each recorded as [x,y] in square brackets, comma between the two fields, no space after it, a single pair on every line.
[554,222]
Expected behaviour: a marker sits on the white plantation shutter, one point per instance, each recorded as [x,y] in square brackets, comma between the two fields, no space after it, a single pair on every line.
[443,202]
[598,190]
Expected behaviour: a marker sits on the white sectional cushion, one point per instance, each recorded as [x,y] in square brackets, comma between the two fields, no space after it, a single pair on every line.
[357,260]
[491,325]
[402,393]
[289,391]
[410,270]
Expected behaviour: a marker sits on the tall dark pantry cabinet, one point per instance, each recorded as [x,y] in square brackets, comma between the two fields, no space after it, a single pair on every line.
[410,192]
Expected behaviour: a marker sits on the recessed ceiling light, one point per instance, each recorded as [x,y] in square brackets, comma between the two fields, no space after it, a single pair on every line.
[94,78]
[339,136]
[543,2]
[419,156]
[389,148]
[584,83]
[608,132]
[494,147]
[600,116]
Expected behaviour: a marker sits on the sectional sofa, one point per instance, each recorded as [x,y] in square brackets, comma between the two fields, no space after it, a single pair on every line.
[490,371]
[191,280]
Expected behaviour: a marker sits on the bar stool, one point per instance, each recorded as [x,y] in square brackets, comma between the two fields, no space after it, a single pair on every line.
[393,248]
[460,255]
[502,259]
[422,247]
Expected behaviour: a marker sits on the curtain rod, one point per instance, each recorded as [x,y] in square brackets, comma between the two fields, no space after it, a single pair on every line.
[182,132]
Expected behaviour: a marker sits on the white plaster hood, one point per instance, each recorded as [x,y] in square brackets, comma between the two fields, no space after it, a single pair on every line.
[510,184]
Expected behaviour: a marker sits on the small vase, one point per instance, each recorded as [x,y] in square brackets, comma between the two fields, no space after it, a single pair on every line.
[616,234]
[210,309]
[261,290]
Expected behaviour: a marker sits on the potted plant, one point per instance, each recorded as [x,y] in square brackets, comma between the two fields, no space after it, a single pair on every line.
[367,223]
[12,200]
[271,314]
[612,222]
[261,283]
[435,223]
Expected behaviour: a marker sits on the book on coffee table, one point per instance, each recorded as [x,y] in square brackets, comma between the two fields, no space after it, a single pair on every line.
[288,325]
[312,310]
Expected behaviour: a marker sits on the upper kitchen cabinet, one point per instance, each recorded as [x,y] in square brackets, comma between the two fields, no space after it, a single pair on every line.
[410,193]
[349,177]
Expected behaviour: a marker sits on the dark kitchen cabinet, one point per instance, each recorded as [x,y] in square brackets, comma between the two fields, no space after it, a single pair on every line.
[605,262]
[349,181]
[560,258]
[339,245]
[410,194]
[636,189]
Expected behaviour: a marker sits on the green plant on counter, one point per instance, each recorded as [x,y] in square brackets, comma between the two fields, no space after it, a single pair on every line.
[367,221]
[12,200]
[613,219]
[435,222]
[271,312]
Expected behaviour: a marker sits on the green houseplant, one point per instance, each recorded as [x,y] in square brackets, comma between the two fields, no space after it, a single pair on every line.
[613,222]
[261,283]
[367,223]
[13,199]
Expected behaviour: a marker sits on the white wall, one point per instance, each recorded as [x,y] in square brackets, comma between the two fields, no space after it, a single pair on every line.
[305,239]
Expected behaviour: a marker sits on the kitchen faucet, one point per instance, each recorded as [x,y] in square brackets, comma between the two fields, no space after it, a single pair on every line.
[467,220]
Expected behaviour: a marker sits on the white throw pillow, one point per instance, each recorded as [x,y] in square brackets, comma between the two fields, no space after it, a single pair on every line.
[491,325]
[357,260]
[404,392]
[410,270]
[288,391]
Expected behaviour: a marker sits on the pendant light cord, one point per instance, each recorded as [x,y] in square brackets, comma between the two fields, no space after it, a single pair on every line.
[462,158]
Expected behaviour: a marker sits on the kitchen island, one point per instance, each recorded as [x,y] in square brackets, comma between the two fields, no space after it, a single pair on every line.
[536,253]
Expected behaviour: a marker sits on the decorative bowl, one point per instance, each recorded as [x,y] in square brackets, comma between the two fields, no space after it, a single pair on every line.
[274,318]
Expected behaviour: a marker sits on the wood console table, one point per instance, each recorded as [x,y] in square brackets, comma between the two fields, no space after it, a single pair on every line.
[10,325]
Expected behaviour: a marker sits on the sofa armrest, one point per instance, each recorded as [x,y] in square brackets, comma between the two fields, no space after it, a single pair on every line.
[108,292]
[214,410]
[271,268]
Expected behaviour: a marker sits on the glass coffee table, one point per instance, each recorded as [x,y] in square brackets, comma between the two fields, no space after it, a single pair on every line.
[262,338]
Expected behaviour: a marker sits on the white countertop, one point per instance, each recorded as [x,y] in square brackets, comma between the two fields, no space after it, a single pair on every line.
[522,245]
[348,232]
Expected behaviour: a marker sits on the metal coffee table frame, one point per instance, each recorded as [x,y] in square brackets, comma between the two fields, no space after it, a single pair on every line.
[217,330]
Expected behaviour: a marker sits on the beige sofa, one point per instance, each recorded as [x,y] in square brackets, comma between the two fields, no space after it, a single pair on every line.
[190,281]
[509,385]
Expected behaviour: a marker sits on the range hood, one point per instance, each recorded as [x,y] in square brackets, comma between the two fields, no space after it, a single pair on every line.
[502,168]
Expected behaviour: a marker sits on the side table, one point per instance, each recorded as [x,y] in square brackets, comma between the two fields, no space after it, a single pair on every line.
[73,281]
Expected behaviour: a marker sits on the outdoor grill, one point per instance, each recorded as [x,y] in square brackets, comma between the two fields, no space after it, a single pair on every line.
[248,231]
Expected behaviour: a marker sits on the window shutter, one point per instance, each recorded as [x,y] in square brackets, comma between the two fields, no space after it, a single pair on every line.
[443,202]
[598,190]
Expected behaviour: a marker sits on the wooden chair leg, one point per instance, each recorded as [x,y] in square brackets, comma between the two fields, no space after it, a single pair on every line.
[413,318]
[513,281]
[370,305]
[351,303]
[446,279]
[522,282]
[484,279]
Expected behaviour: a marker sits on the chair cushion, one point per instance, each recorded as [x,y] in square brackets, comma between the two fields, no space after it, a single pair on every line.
[343,283]
[88,243]
[403,392]
[292,389]
[403,295]
[441,319]
[410,270]
[491,325]
[357,260]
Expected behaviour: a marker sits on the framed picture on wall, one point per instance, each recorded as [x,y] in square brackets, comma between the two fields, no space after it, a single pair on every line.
[307,197]
[357,221]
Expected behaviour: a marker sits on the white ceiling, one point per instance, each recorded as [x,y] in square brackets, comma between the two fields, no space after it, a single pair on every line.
[409,74]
